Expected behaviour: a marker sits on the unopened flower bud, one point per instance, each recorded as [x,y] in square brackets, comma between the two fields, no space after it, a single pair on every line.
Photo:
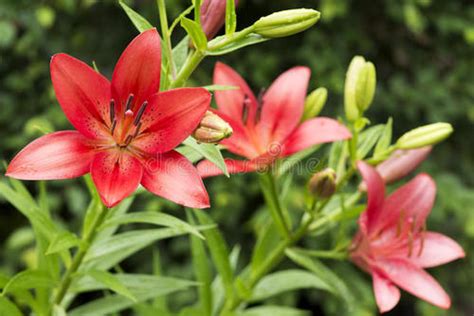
[286,23]
[213,16]
[323,183]
[402,162]
[424,136]
[314,103]
[359,87]
[212,129]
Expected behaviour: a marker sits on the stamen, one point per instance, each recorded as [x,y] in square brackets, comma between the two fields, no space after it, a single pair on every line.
[258,114]
[112,110]
[129,102]
[260,95]
[128,140]
[140,113]
[410,243]
[422,242]
[137,130]
[245,108]
[114,124]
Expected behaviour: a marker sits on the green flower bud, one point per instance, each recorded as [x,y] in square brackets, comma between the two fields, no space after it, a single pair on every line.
[314,103]
[286,23]
[212,129]
[359,87]
[424,136]
[323,183]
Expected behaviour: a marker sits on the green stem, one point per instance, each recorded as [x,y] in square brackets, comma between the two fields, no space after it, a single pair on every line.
[86,242]
[188,68]
[166,36]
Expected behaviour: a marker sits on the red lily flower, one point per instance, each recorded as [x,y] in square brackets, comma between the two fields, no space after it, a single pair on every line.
[126,130]
[393,246]
[270,127]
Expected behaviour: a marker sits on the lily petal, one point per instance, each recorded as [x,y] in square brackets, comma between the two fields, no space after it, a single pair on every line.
[116,176]
[437,249]
[315,131]
[137,71]
[283,105]
[59,155]
[375,196]
[171,116]
[83,94]
[231,102]
[208,169]
[415,281]
[173,177]
[414,199]
[387,295]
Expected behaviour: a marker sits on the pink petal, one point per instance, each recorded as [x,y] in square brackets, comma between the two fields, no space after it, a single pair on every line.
[231,102]
[208,169]
[116,176]
[213,16]
[59,155]
[375,196]
[170,117]
[138,71]
[173,177]
[413,200]
[83,94]
[387,295]
[415,281]
[283,105]
[437,249]
[402,162]
[315,131]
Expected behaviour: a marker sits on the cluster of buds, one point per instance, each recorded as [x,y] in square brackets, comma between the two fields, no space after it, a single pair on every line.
[359,87]
[212,129]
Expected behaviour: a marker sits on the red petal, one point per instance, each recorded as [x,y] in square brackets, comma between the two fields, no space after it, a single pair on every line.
[283,105]
[415,281]
[375,196]
[437,249]
[138,71]
[230,102]
[116,176]
[60,155]
[208,169]
[83,94]
[315,131]
[414,199]
[170,117]
[173,177]
[387,295]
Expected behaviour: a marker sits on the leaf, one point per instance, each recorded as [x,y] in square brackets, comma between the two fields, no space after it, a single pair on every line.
[218,87]
[138,21]
[143,287]
[209,151]
[219,253]
[337,157]
[247,40]
[180,53]
[287,280]
[111,282]
[385,139]
[62,241]
[337,285]
[267,240]
[154,218]
[273,311]
[29,279]
[7,308]
[59,311]
[368,139]
[230,17]
[196,33]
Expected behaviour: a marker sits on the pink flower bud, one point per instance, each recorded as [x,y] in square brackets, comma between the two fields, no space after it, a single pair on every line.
[212,129]
[323,183]
[213,16]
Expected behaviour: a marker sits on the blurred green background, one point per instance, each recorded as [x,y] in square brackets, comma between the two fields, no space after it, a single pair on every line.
[424,54]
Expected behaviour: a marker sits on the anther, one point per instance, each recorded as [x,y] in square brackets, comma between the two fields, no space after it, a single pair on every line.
[114,124]
[140,113]
[245,108]
[129,102]
[137,130]
[112,111]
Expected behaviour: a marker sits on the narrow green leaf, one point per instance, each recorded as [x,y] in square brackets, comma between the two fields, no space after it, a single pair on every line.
[368,139]
[138,21]
[247,40]
[268,239]
[385,139]
[62,241]
[111,282]
[217,87]
[287,280]
[29,279]
[154,218]
[180,53]
[230,18]
[273,311]
[59,311]
[195,32]
[7,308]
[209,151]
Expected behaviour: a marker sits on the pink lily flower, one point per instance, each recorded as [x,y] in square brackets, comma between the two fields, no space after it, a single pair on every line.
[393,245]
[126,129]
[269,127]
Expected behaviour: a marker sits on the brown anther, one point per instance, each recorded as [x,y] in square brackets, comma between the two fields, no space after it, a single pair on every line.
[112,111]
[140,113]
[128,105]
[245,108]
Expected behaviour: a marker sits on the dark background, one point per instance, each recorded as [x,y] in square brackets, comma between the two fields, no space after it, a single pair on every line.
[424,54]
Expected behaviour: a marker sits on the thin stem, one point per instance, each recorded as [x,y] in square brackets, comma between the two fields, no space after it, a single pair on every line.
[166,36]
[188,68]
[86,242]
